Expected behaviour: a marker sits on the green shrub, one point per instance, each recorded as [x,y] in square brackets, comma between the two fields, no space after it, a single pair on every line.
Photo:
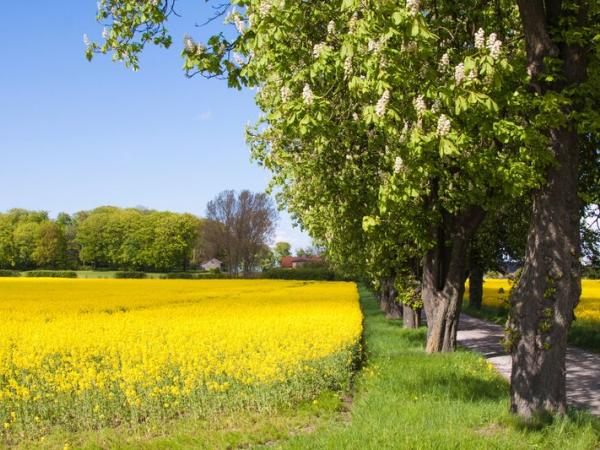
[592,273]
[319,274]
[179,276]
[51,274]
[137,275]
[212,276]
[9,273]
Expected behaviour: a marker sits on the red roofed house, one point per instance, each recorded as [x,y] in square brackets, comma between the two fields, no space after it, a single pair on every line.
[293,262]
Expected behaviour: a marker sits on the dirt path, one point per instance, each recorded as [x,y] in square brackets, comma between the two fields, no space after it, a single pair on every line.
[583,368]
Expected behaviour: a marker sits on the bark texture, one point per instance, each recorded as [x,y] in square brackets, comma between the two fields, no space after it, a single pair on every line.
[411,318]
[549,287]
[444,279]
[387,299]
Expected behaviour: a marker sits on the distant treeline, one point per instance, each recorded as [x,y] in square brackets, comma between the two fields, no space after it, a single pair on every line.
[106,237]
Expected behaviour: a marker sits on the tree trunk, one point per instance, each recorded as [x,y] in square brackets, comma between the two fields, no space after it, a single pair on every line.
[384,297]
[411,317]
[444,279]
[387,299]
[475,286]
[543,301]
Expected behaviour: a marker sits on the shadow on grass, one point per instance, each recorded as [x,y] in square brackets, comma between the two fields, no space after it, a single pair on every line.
[462,386]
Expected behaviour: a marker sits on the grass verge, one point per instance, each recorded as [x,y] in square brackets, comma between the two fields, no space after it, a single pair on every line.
[406,399]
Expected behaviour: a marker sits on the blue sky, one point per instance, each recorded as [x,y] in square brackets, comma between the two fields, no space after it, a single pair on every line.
[75,135]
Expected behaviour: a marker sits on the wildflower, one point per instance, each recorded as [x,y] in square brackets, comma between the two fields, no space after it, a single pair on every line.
[480,39]
[398,164]
[443,125]
[86,40]
[307,95]
[459,73]
[413,7]
[286,94]
[420,105]
[331,27]
[381,106]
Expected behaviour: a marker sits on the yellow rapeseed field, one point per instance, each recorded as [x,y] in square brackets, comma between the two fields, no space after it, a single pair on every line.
[90,353]
[495,293]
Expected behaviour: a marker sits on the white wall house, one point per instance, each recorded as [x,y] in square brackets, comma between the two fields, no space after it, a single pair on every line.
[212,264]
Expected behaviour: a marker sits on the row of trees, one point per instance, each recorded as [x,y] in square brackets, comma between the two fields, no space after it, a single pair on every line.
[414,138]
[139,239]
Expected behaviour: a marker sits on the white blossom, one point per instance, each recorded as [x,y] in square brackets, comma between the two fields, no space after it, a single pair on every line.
[307,95]
[420,105]
[413,6]
[472,75]
[491,39]
[445,61]
[86,40]
[496,49]
[200,49]
[480,39]
[375,46]
[105,33]
[355,117]
[459,73]
[239,24]
[189,44]
[410,48]
[286,94]
[381,106]
[435,107]
[348,65]
[264,7]
[318,49]
[352,22]
[331,27]
[443,125]
[404,132]
[398,164]
[238,59]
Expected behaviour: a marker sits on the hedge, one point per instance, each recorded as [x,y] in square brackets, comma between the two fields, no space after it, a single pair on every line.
[592,273]
[9,273]
[51,274]
[179,276]
[318,274]
[136,275]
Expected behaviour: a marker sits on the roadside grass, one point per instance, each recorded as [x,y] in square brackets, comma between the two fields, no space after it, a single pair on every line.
[402,399]
[406,399]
